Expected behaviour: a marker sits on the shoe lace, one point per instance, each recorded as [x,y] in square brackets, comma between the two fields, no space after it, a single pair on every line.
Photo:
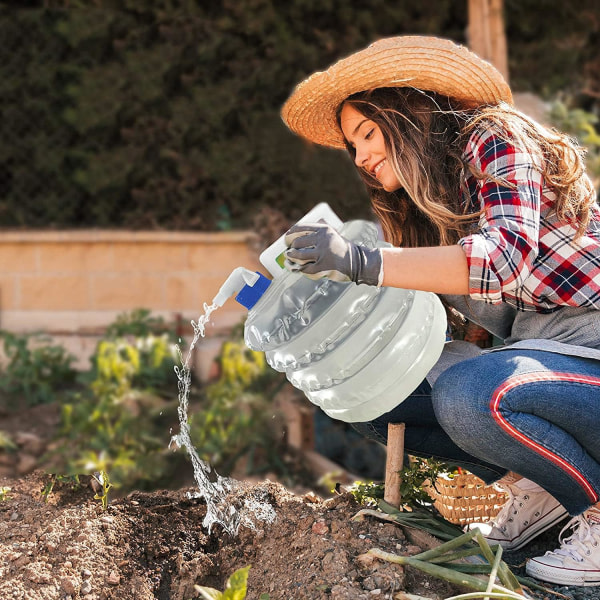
[578,545]
[510,507]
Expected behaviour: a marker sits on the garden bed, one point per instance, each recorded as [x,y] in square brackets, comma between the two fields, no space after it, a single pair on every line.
[153,545]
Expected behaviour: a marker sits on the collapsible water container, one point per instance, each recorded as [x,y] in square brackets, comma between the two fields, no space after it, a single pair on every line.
[356,351]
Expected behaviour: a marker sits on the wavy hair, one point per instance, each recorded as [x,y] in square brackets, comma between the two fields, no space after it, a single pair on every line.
[425,136]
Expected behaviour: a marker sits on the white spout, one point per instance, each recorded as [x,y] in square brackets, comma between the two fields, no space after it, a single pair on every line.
[234,283]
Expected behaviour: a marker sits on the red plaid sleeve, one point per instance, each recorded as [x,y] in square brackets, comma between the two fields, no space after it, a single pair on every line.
[501,254]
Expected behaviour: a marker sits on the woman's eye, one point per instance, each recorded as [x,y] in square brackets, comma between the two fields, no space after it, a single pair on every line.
[369,134]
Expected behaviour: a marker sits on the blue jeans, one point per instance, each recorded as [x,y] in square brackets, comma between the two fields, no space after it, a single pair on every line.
[529,411]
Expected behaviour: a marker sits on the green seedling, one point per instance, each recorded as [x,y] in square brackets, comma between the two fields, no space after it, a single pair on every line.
[102,479]
[47,490]
[6,442]
[4,493]
[367,493]
[49,487]
[235,589]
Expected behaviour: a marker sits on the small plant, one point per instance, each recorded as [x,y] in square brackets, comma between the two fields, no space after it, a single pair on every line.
[414,477]
[367,493]
[104,484]
[116,423]
[49,487]
[235,589]
[413,485]
[6,442]
[144,363]
[137,323]
[4,493]
[47,490]
[234,416]
[35,369]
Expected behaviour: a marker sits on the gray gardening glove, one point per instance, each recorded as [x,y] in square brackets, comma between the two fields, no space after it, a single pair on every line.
[317,250]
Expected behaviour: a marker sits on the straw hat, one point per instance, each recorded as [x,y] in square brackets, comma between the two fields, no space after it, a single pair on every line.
[426,63]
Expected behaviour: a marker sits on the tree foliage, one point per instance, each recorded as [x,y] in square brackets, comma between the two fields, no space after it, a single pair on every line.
[166,114]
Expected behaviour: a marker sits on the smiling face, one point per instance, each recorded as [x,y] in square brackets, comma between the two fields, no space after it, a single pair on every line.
[366,137]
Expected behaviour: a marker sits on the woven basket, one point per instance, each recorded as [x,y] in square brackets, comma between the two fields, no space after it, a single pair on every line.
[465,499]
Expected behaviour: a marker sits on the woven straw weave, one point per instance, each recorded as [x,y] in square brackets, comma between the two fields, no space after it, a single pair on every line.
[465,499]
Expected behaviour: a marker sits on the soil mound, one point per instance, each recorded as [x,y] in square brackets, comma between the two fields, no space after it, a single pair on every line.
[152,546]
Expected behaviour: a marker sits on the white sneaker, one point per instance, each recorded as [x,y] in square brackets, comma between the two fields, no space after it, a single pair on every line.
[577,561]
[526,514]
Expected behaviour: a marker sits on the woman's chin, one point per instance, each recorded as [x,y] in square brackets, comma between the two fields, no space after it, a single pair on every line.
[391,187]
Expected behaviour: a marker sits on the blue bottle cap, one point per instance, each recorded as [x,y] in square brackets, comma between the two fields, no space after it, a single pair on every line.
[249,295]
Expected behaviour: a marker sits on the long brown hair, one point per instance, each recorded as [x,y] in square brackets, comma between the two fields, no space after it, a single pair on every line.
[425,136]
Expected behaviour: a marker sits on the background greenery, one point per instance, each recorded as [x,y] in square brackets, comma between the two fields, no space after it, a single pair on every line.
[118,416]
[166,114]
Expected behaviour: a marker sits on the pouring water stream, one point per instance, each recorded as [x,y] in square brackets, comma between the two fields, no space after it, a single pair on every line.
[219,508]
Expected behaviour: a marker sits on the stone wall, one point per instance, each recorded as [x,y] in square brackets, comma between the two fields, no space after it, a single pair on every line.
[72,284]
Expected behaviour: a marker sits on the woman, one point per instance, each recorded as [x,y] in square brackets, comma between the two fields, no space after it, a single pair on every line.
[494,213]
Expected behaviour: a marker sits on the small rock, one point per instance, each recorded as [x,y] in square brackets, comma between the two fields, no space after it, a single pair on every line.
[320,527]
[86,573]
[369,584]
[365,561]
[30,442]
[14,516]
[113,578]
[69,585]
[390,530]
[411,549]
[311,498]
[86,588]
[305,522]
[7,460]
[26,464]
[22,561]
[33,573]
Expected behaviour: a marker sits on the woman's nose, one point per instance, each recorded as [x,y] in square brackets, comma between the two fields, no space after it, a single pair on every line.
[361,157]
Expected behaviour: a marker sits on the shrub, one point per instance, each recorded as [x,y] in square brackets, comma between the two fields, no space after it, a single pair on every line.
[35,371]
[581,124]
[235,413]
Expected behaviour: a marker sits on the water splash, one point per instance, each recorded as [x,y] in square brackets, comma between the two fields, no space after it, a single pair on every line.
[219,505]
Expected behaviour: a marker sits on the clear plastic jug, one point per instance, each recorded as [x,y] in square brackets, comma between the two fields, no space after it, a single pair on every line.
[356,351]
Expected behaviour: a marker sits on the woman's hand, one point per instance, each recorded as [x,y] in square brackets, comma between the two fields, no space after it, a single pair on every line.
[317,250]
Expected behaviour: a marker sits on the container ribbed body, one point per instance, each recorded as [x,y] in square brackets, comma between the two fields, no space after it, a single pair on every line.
[354,350]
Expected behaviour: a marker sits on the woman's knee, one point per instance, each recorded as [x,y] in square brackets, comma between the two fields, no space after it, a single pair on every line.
[460,398]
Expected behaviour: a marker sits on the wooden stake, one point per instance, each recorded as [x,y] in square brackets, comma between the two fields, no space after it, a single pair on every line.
[393,463]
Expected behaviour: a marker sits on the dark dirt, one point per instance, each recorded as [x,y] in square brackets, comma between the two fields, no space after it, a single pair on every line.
[148,546]
[153,546]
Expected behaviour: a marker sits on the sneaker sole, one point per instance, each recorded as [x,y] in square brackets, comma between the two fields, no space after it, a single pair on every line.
[562,576]
[556,515]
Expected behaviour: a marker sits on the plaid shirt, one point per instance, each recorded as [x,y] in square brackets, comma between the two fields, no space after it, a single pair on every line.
[520,253]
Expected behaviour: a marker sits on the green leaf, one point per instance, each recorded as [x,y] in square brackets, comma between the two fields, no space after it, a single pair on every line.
[235,589]
[236,585]
[209,593]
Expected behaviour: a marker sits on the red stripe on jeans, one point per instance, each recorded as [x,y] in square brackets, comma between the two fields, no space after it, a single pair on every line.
[517,380]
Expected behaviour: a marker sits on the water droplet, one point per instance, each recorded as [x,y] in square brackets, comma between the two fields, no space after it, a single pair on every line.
[218,510]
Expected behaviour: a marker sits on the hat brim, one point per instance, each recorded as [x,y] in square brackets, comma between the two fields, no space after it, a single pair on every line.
[426,63]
